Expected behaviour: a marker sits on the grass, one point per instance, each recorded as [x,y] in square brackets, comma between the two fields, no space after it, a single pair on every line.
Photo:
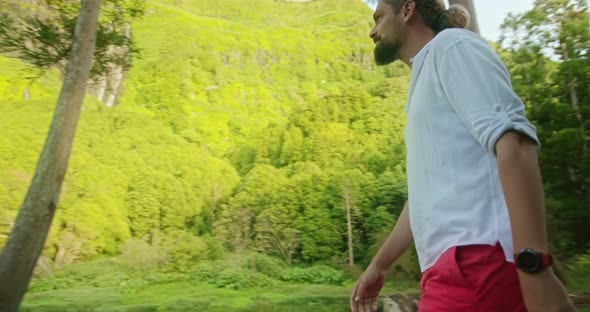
[185,296]
[106,285]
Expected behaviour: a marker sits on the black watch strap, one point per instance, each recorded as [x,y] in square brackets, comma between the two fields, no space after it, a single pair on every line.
[531,261]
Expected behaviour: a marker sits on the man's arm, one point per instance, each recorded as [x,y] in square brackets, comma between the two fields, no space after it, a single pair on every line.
[396,244]
[367,288]
[523,189]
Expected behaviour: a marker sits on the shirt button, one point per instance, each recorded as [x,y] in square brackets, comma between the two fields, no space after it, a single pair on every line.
[498,108]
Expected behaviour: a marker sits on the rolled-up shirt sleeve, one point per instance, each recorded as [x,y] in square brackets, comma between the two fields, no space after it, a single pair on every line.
[477,85]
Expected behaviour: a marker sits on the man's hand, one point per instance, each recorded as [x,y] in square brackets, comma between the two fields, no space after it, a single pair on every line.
[543,292]
[364,297]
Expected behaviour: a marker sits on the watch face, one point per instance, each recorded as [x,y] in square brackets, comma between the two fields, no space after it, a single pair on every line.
[528,261]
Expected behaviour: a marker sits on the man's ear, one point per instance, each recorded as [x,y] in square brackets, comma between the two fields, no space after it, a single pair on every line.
[409,9]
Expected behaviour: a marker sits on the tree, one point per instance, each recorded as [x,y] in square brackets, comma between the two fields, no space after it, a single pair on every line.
[318,230]
[143,206]
[549,61]
[354,195]
[261,189]
[319,236]
[349,206]
[275,232]
[40,34]
[234,225]
[27,238]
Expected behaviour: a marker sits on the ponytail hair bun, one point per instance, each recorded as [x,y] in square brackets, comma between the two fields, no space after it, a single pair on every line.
[458,16]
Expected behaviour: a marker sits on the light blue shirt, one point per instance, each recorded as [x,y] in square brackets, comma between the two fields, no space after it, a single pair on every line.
[459,104]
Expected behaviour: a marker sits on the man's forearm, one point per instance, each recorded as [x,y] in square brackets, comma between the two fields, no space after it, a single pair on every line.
[396,244]
[523,189]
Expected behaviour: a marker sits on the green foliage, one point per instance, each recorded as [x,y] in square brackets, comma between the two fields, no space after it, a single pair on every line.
[205,271]
[269,266]
[114,187]
[318,274]
[100,273]
[140,255]
[268,270]
[579,273]
[180,305]
[220,275]
[549,63]
[163,290]
[215,250]
[319,235]
[184,250]
[41,33]
[233,278]
[239,135]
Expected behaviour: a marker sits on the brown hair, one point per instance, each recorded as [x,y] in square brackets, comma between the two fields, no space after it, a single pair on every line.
[434,14]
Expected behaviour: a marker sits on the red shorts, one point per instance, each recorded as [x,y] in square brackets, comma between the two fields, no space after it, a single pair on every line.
[471,278]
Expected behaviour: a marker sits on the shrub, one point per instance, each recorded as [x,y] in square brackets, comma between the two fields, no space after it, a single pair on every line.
[219,275]
[99,273]
[266,265]
[407,266]
[204,271]
[215,249]
[134,286]
[182,305]
[240,279]
[140,255]
[318,274]
[184,250]
[579,273]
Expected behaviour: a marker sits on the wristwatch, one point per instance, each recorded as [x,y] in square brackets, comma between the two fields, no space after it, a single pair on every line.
[531,261]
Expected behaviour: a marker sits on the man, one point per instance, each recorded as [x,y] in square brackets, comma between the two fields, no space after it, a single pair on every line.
[475,190]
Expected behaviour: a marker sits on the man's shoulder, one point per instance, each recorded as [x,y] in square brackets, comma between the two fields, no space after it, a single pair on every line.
[449,38]
[469,41]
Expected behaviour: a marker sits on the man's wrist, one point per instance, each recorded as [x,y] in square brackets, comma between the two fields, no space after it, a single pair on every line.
[532,261]
[378,265]
[540,247]
[527,278]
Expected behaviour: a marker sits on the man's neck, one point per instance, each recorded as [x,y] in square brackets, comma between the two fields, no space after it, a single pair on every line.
[417,38]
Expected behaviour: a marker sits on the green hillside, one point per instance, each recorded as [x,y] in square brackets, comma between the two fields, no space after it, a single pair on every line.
[222,99]
[222,73]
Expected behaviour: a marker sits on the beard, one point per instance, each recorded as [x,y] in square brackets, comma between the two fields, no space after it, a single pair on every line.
[386,53]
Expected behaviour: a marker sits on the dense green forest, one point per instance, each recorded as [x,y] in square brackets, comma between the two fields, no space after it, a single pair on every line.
[254,139]
[225,120]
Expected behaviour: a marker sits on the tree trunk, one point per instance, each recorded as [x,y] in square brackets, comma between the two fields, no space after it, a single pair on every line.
[253,263]
[27,238]
[216,197]
[571,85]
[26,94]
[468,4]
[348,204]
